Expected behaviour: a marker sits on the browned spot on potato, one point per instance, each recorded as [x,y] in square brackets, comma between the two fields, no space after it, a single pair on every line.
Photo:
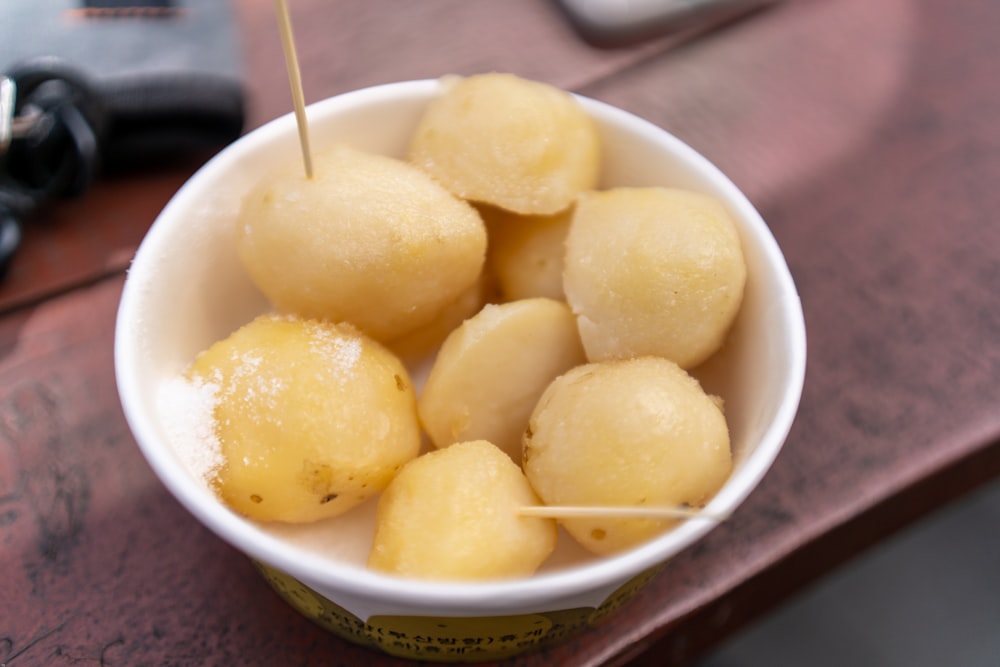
[327,498]
[400,385]
[598,533]
[317,477]
[254,498]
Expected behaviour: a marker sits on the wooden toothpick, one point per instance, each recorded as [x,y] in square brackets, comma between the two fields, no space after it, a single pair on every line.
[618,512]
[295,80]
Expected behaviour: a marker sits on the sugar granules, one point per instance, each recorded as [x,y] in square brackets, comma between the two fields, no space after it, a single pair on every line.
[188,408]
[188,405]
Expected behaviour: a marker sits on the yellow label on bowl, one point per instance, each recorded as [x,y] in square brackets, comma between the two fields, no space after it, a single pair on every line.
[475,638]
[448,639]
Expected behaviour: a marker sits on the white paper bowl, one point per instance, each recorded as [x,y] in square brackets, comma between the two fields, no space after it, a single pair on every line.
[186,289]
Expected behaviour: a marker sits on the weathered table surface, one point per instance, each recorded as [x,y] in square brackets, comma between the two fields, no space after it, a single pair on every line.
[868,135]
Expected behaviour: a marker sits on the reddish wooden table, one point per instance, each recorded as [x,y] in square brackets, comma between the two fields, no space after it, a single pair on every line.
[866,133]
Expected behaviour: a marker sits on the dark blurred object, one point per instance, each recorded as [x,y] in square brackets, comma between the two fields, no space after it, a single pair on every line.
[61,127]
[130,8]
[117,37]
[129,4]
[611,23]
[99,86]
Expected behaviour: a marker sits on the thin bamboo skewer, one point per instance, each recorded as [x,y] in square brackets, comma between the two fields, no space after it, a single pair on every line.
[618,512]
[295,80]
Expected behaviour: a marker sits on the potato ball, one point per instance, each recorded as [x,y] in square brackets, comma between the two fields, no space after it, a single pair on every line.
[639,432]
[496,138]
[414,347]
[491,371]
[311,418]
[526,252]
[369,240]
[653,271]
[453,514]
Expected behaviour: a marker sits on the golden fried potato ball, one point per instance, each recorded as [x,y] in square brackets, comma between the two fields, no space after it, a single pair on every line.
[311,418]
[368,240]
[452,514]
[522,145]
[639,432]
[491,371]
[653,271]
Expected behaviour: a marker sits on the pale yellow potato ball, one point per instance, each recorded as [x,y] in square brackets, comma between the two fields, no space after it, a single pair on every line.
[368,240]
[526,253]
[452,514]
[640,432]
[499,139]
[310,418]
[653,271]
[416,346]
[490,372]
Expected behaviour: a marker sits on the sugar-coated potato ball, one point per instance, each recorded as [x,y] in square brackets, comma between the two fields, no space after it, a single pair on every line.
[452,514]
[490,372]
[653,271]
[639,432]
[526,252]
[369,240]
[311,418]
[499,139]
